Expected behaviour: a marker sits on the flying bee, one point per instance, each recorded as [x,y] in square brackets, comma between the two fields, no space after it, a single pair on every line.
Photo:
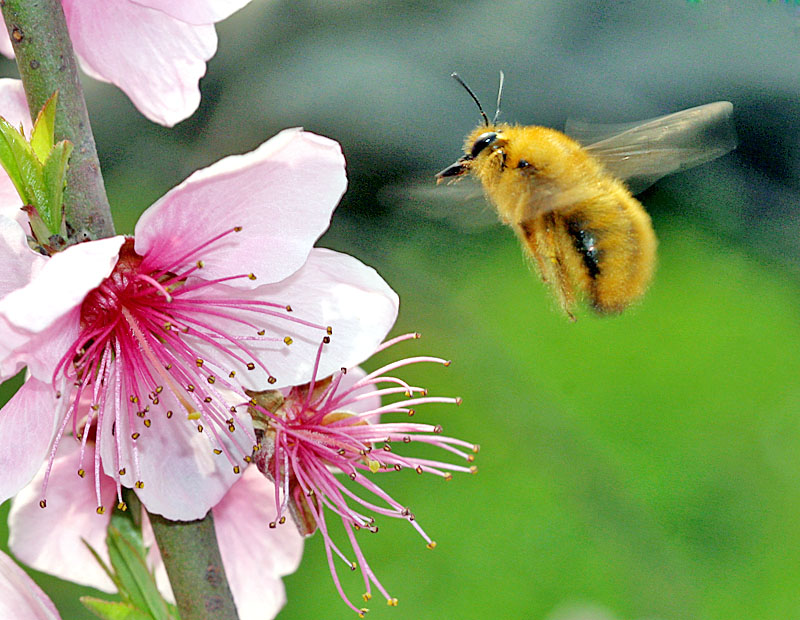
[568,204]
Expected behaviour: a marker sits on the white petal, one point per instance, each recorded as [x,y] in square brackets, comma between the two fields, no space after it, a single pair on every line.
[20,597]
[182,476]
[27,424]
[155,59]
[20,263]
[255,556]
[331,289]
[61,284]
[196,11]
[282,195]
[51,539]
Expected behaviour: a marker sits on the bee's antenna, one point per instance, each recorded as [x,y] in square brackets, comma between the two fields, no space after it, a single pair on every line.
[499,95]
[458,79]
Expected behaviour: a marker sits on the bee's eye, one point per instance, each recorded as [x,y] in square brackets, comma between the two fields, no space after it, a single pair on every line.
[484,140]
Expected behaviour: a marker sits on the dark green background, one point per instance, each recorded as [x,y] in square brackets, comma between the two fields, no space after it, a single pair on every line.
[642,466]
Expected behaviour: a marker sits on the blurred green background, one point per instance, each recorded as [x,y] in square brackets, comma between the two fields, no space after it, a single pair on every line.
[638,467]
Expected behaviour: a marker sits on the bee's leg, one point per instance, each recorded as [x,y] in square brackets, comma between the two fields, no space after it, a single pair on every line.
[543,237]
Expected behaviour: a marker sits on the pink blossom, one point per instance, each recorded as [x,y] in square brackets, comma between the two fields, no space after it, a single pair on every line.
[52,541]
[219,290]
[20,597]
[154,50]
[316,432]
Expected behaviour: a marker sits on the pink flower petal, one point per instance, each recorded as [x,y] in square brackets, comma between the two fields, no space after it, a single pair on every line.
[330,289]
[20,263]
[5,44]
[282,195]
[183,478]
[61,284]
[20,597]
[155,59]
[194,11]
[51,539]
[240,521]
[39,351]
[27,424]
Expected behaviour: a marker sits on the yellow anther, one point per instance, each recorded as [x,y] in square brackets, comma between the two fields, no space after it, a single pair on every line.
[100,510]
[199,361]
[139,484]
[367,597]
[81,472]
[43,503]
[134,436]
[287,341]
[169,414]
[261,332]
[251,366]
[236,469]
[122,471]
[431,545]
[147,423]
[122,506]
[252,276]
[391,602]
[473,469]
[271,380]
[237,229]
[199,428]
[448,477]
[217,451]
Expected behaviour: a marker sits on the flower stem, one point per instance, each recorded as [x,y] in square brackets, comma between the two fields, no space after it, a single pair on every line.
[47,64]
[189,549]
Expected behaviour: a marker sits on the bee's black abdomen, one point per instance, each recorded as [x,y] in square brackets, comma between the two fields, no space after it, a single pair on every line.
[586,244]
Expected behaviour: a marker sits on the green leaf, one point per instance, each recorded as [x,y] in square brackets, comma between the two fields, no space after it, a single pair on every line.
[54,177]
[109,610]
[12,147]
[44,128]
[136,583]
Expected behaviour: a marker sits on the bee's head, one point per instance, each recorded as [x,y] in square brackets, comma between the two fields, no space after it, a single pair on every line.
[486,136]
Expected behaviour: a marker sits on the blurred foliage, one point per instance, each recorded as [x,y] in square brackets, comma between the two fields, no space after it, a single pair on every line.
[642,466]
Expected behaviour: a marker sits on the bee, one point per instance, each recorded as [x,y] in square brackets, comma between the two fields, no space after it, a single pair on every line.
[568,203]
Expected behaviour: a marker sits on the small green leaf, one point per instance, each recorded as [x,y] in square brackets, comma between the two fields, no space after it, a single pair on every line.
[54,177]
[12,143]
[137,584]
[44,128]
[109,610]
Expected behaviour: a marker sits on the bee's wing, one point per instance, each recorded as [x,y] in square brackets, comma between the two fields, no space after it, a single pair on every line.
[643,152]
[461,205]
